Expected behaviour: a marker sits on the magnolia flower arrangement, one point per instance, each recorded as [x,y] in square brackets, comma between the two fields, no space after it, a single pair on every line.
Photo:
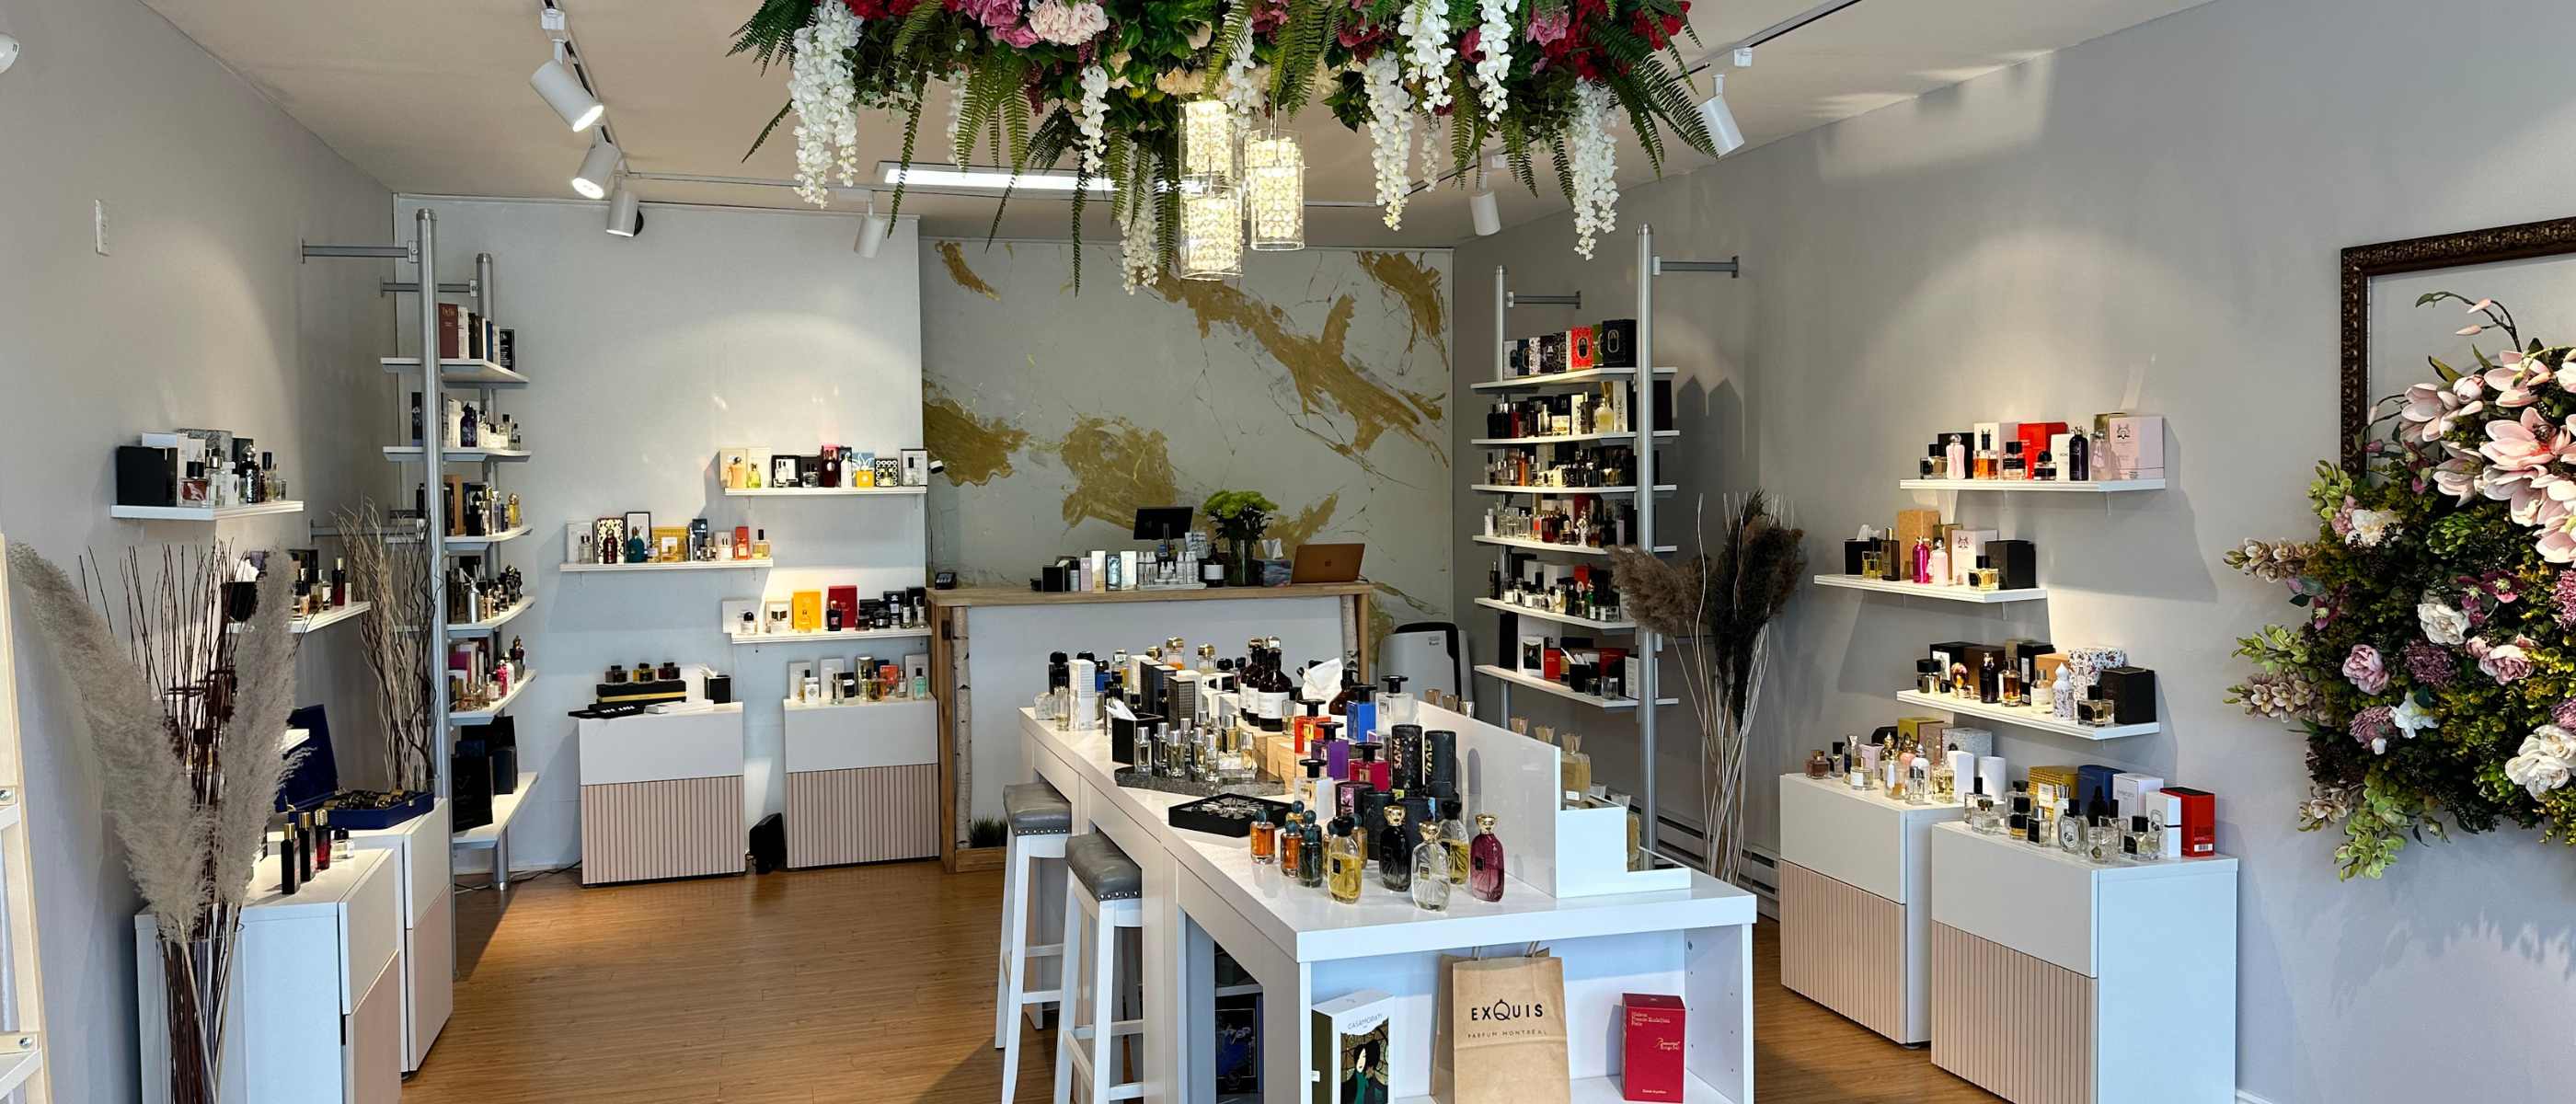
[2433,672]
[1025,83]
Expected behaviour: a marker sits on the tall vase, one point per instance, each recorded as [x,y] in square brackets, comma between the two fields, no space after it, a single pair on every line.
[1242,562]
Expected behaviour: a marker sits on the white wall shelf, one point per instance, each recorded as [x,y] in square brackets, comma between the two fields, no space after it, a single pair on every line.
[410,454]
[2027,717]
[1569,439]
[1559,618]
[490,624]
[819,492]
[1545,686]
[1543,380]
[1543,546]
[504,807]
[470,545]
[1924,590]
[479,373]
[2043,486]
[330,617]
[205,513]
[486,714]
[1564,492]
[685,565]
[743,641]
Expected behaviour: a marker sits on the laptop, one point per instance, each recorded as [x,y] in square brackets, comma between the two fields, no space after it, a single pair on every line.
[1327,563]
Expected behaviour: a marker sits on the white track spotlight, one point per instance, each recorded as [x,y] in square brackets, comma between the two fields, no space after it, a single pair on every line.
[563,92]
[873,230]
[598,169]
[625,212]
[8,52]
[1487,212]
[1723,134]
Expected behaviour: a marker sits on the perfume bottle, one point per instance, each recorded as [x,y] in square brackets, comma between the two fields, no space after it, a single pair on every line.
[1431,871]
[2070,829]
[1939,574]
[1310,858]
[1453,839]
[2061,694]
[2018,820]
[1922,560]
[2012,684]
[760,545]
[1984,576]
[1982,818]
[339,582]
[322,838]
[1265,839]
[2079,453]
[2146,839]
[1955,456]
[1485,861]
[1927,676]
[2015,466]
[1818,765]
[2044,469]
[1918,781]
[1990,688]
[1394,871]
[1344,877]
[1986,461]
[2097,709]
[1292,839]
[1945,781]
[2101,839]
[1935,465]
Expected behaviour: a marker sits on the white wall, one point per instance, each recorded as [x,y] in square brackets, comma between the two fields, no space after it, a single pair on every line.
[712,328]
[2150,219]
[198,316]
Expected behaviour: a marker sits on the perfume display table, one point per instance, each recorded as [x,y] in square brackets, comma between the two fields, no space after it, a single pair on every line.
[661,795]
[1204,891]
[1855,903]
[983,677]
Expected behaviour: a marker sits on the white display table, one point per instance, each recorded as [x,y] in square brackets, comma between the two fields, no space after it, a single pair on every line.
[319,967]
[1203,891]
[862,781]
[419,849]
[661,795]
[1854,913]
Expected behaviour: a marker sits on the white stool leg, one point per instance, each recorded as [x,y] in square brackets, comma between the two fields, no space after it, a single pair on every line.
[1015,964]
[1068,1010]
[1010,909]
[1104,1008]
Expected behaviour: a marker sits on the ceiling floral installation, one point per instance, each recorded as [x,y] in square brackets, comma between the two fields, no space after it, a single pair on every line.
[1185,108]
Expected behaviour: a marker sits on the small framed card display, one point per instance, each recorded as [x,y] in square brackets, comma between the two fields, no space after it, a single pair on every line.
[580,545]
[670,544]
[808,611]
[863,469]
[639,523]
[782,472]
[889,472]
[742,616]
[608,538]
[916,467]
[801,684]
[1351,1048]
[774,617]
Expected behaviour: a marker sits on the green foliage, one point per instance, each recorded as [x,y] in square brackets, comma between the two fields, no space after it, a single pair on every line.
[1239,515]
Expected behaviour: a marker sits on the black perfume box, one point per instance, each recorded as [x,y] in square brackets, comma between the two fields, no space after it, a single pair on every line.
[2132,691]
[2020,648]
[1226,814]
[1614,341]
[1551,352]
[1516,357]
[2016,561]
[505,349]
[1852,552]
[146,476]
[1951,651]
[1122,736]
[720,689]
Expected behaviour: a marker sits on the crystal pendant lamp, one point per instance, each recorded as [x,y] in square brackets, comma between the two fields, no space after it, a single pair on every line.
[1208,151]
[1211,238]
[1274,181]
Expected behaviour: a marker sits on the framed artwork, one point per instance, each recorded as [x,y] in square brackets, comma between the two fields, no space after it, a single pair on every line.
[2386,338]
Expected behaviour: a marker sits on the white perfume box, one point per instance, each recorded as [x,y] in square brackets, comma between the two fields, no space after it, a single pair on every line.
[2130,790]
[1350,1025]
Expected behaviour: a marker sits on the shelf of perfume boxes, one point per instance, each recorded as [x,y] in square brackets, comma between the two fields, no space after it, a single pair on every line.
[1548,686]
[329,617]
[1559,618]
[2027,717]
[1928,590]
[1541,380]
[1543,546]
[749,640]
[206,513]
[676,565]
[1565,492]
[1569,439]
[481,373]
[2177,867]
[410,454]
[489,625]
[2061,486]
[487,712]
[504,807]
[819,492]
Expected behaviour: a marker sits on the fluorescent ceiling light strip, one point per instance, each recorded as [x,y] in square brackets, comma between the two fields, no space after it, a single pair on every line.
[927,176]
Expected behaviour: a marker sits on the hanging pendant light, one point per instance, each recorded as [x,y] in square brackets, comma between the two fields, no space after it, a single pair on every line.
[1208,151]
[1274,180]
[1211,237]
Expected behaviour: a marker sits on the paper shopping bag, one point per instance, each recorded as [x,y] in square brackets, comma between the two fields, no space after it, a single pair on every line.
[1501,1025]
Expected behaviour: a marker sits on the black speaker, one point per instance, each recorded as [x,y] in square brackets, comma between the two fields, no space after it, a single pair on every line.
[769,844]
[469,776]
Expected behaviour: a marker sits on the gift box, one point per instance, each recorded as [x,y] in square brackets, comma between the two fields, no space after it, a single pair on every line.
[2017,561]
[2132,691]
[1580,354]
[1614,342]
[1651,1046]
[2198,826]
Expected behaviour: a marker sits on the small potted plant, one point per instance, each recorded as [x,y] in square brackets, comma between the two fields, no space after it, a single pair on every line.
[1239,517]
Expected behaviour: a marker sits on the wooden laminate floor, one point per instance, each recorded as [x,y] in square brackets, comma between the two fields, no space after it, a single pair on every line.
[869,983]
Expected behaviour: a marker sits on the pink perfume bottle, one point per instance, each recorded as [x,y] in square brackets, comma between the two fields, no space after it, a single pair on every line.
[1485,861]
[1922,560]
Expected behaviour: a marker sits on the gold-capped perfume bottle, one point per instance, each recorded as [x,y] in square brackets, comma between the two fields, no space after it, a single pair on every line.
[1344,878]
[1396,871]
[1431,871]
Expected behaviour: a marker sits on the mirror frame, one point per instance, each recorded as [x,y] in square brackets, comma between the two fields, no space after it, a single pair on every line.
[2363,262]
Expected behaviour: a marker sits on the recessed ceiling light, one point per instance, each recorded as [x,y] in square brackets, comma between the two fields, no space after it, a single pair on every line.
[995,179]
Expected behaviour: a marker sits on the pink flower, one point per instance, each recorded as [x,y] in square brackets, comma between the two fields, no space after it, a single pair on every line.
[1547,27]
[2563,714]
[2528,444]
[2373,726]
[991,13]
[2462,476]
[2517,383]
[2366,669]
[2434,409]
[1019,36]
[2505,663]
[2428,664]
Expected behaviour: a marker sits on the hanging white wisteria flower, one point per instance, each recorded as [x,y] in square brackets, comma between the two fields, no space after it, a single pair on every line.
[956,115]
[823,90]
[1239,85]
[1595,164]
[1494,61]
[1138,218]
[1093,116]
[1425,30]
[1390,134]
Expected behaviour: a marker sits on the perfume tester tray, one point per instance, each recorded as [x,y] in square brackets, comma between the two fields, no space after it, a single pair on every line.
[1134,778]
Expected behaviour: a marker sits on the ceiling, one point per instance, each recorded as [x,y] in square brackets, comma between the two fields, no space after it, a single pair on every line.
[433,98]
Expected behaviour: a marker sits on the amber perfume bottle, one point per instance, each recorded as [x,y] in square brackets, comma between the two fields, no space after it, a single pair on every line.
[1485,861]
[760,545]
[1292,840]
[1817,765]
[1265,839]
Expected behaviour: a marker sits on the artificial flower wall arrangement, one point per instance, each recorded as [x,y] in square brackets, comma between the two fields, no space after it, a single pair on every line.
[1105,87]
[2435,669]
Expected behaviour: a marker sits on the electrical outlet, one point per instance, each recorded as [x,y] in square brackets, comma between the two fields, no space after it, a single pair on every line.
[98,225]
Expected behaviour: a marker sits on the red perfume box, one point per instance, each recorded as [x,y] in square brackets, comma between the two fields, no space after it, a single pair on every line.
[2199,825]
[1651,1051]
[2034,440]
[1581,355]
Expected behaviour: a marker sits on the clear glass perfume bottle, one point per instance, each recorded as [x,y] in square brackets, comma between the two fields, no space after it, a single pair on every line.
[1982,817]
[1431,871]
[2101,838]
[1393,869]
[2070,829]
[1453,839]
[1945,782]
[1987,460]
[1918,783]
[2146,839]
[1485,861]
[1344,877]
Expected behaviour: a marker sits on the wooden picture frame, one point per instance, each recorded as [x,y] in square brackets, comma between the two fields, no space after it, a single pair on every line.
[2362,263]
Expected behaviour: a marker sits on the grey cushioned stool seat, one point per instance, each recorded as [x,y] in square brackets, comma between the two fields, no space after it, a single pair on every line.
[1035,809]
[1103,869]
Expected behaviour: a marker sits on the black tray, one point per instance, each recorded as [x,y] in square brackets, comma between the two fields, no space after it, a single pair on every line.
[1203,815]
[418,805]
[1134,779]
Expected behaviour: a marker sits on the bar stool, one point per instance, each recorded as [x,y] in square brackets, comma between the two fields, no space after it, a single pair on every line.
[1103,898]
[1040,822]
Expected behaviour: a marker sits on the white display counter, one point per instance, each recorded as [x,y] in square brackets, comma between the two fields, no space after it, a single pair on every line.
[1203,891]
[661,795]
[1855,914]
[862,781]
[419,848]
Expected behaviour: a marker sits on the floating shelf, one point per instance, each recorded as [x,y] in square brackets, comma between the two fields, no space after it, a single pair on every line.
[2026,717]
[685,565]
[1570,439]
[330,617]
[485,714]
[205,513]
[504,807]
[1542,380]
[489,625]
[794,706]
[1559,618]
[469,545]
[1543,546]
[482,372]
[1922,590]
[819,492]
[741,641]
[1544,686]
[410,454]
[2056,486]
[1566,492]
